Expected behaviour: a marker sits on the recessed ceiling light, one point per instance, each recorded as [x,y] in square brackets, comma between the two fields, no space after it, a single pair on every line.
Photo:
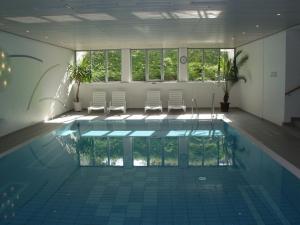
[62,18]
[27,31]
[27,19]
[278,14]
[257,25]
[186,14]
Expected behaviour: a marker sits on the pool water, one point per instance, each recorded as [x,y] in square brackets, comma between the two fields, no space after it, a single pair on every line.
[156,172]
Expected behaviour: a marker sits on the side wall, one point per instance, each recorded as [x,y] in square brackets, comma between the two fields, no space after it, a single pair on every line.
[292,101]
[264,93]
[37,87]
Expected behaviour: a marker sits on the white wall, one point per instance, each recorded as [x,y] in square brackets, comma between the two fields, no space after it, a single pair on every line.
[136,92]
[251,92]
[292,101]
[264,93]
[14,111]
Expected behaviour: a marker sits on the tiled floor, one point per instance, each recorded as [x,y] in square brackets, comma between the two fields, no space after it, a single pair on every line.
[282,140]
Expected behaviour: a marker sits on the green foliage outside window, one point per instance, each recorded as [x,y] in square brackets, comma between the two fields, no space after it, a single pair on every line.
[98,66]
[138,58]
[105,65]
[211,64]
[206,64]
[195,65]
[114,65]
[154,64]
[170,64]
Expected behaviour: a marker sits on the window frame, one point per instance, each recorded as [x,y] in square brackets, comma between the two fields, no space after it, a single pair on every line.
[203,63]
[106,62]
[162,68]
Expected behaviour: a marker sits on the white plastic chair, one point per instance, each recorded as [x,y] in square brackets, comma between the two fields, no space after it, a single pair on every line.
[118,101]
[176,100]
[99,102]
[153,101]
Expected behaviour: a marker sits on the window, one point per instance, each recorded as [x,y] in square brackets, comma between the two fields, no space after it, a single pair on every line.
[225,54]
[98,66]
[170,64]
[138,65]
[195,65]
[114,65]
[211,64]
[105,64]
[206,64]
[154,64]
[83,58]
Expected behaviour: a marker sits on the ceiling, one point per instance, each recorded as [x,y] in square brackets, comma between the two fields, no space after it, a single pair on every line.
[97,24]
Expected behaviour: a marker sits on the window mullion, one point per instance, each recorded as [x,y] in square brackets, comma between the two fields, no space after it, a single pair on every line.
[203,63]
[147,65]
[162,69]
[106,65]
[219,66]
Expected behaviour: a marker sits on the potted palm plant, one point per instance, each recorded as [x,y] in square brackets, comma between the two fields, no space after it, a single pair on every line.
[79,73]
[231,75]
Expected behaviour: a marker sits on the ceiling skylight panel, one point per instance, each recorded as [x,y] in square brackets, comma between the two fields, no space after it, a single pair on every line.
[96,16]
[27,19]
[152,15]
[212,14]
[62,18]
[186,14]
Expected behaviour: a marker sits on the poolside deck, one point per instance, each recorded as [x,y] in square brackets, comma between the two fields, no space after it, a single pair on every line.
[283,141]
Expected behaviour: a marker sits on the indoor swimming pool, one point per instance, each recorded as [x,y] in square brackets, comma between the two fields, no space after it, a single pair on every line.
[146,172]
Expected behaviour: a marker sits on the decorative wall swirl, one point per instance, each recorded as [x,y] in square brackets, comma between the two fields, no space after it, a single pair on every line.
[37,84]
[26,56]
[53,99]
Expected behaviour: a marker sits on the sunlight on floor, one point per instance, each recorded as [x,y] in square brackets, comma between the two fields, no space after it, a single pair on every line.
[64,119]
[201,116]
[117,117]
[87,118]
[136,117]
[156,117]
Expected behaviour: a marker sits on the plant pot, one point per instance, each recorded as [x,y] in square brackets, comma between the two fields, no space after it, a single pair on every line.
[77,106]
[224,106]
